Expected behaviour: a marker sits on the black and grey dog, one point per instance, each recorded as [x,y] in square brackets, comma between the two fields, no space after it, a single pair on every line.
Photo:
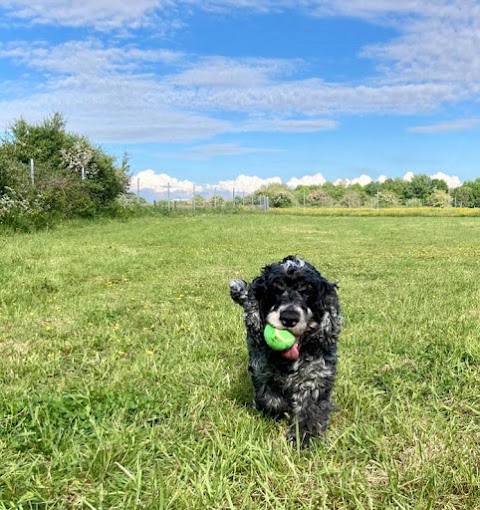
[296,383]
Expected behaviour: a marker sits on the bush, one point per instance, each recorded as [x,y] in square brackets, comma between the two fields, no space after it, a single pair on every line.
[352,199]
[23,213]
[73,178]
[319,198]
[282,199]
[388,199]
[439,198]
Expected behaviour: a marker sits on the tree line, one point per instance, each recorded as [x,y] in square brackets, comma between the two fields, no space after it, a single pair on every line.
[421,190]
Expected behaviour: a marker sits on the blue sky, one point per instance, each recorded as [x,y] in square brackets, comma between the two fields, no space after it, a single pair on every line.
[237,93]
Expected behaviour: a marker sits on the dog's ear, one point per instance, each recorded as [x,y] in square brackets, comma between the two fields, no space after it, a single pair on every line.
[327,295]
[239,291]
[259,287]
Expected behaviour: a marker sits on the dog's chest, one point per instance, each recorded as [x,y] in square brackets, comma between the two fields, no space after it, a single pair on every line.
[307,373]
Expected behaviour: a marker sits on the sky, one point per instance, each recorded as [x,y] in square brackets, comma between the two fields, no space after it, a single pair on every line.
[238,93]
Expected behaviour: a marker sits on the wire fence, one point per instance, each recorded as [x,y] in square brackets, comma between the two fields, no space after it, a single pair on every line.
[173,196]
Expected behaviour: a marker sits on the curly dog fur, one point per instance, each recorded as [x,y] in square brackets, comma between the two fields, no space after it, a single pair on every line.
[296,383]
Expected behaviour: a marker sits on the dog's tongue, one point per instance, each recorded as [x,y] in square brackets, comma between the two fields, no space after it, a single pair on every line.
[293,353]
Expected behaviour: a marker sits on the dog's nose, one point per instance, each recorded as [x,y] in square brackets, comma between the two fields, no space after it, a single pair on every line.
[289,318]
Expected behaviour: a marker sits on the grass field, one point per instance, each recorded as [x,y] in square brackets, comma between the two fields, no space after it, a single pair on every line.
[123,380]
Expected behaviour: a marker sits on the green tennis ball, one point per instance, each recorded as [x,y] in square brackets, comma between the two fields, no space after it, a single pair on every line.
[278,339]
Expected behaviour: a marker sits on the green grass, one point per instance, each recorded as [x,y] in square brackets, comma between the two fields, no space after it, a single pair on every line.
[123,380]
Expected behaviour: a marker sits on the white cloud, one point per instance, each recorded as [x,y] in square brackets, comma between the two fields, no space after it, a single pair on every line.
[382,179]
[158,183]
[443,127]
[307,180]
[245,183]
[363,180]
[452,180]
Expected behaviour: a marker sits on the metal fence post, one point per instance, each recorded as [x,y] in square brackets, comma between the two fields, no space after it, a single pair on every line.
[32,172]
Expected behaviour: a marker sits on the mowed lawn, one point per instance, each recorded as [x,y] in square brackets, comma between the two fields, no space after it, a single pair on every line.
[123,380]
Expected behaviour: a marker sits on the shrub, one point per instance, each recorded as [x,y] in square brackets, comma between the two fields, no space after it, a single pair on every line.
[319,198]
[439,198]
[72,176]
[23,213]
[282,199]
[352,199]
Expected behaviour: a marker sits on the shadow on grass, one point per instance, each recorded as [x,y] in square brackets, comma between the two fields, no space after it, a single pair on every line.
[241,391]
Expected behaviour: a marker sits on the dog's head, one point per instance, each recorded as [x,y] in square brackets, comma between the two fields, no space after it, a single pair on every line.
[291,295]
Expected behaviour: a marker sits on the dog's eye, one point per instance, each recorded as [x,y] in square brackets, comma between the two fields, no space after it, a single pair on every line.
[303,287]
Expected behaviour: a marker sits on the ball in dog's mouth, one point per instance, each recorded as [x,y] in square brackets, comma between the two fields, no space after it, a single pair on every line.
[283,341]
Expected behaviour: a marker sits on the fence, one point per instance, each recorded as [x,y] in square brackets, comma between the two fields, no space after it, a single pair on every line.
[199,196]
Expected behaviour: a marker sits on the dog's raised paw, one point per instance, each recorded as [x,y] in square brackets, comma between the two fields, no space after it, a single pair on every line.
[239,291]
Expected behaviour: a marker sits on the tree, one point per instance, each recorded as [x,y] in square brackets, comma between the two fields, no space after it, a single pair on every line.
[439,184]
[463,196]
[419,187]
[372,188]
[397,186]
[279,195]
[352,198]
[336,193]
[388,199]
[439,198]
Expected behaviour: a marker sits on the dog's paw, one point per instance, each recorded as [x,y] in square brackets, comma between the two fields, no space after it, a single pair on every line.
[239,291]
[298,438]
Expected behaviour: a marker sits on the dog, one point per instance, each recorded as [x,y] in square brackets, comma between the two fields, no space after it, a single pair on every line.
[295,383]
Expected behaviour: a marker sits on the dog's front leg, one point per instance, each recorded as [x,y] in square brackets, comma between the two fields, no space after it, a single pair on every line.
[270,401]
[310,418]
[311,401]
[239,291]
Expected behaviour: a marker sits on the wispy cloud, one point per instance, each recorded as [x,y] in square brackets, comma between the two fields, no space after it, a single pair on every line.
[101,14]
[121,92]
[90,81]
[444,127]
[209,151]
